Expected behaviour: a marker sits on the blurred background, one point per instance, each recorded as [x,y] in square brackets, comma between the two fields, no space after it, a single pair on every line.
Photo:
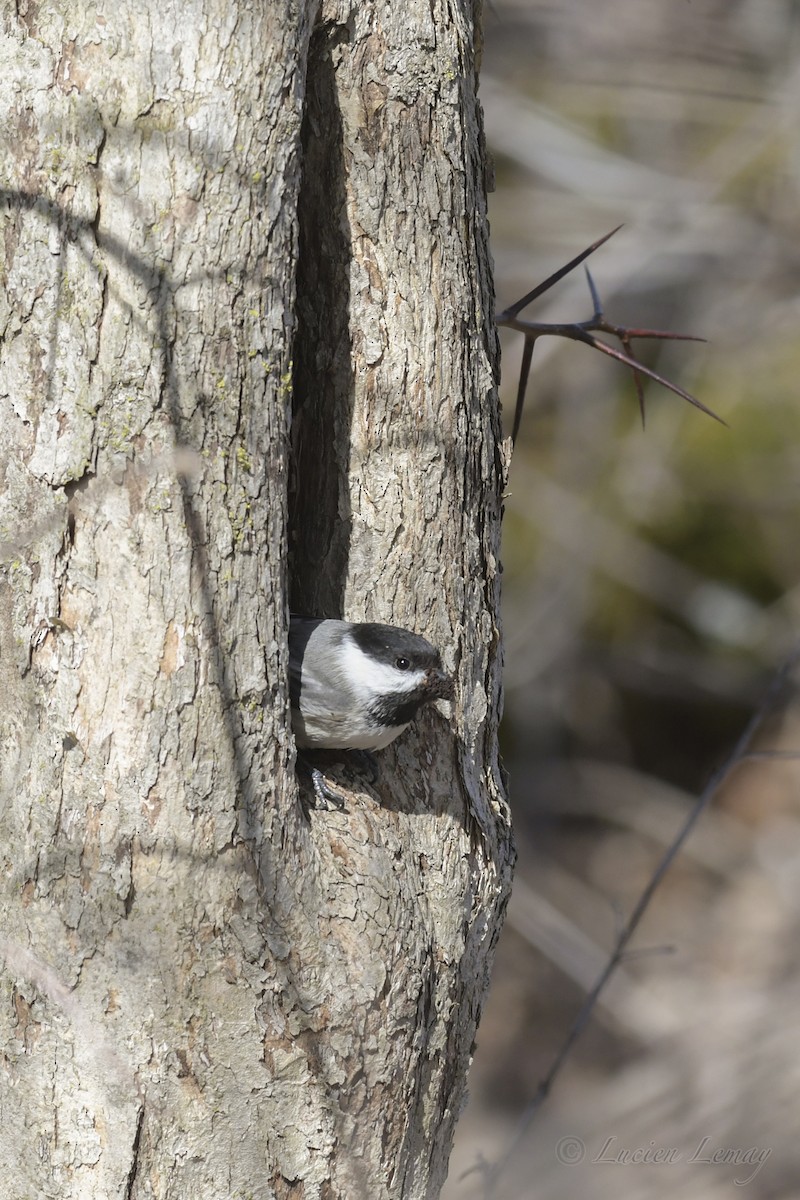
[652,589]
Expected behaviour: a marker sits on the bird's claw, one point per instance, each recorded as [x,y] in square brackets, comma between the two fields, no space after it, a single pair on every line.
[324,794]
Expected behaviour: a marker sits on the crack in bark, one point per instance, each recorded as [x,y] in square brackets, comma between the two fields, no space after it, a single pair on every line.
[134,1169]
[319,516]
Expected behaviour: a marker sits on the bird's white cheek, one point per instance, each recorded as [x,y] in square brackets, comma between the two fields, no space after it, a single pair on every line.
[370,679]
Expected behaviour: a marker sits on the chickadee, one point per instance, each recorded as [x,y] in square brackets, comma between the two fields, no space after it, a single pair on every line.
[357,687]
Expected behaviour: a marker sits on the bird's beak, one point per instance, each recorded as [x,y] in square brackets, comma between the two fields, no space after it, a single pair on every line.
[439,685]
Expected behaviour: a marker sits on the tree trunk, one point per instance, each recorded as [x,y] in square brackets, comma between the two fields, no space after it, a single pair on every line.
[208,993]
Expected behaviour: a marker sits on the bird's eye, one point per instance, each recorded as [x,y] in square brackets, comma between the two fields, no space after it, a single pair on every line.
[402,664]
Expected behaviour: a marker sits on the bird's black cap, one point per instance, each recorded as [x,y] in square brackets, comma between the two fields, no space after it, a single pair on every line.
[387,643]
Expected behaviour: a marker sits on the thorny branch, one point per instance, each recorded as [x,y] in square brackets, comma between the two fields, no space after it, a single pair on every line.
[584,331]
[740,754]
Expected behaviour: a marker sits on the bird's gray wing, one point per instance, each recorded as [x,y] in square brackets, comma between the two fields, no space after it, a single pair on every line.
[300,630]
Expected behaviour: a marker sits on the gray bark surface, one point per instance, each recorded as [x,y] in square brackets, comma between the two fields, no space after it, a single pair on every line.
[246,322]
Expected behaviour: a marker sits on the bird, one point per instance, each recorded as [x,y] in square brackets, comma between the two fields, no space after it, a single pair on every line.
[355,686]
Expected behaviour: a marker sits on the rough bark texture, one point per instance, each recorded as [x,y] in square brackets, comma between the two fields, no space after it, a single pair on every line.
[205,993]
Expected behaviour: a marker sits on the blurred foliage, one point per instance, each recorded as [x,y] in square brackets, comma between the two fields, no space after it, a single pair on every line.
[652,587]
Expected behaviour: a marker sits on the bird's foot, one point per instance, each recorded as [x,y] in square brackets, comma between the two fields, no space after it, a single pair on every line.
[324,794]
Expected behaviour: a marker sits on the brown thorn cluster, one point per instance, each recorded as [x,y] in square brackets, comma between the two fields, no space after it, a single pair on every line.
[584,331]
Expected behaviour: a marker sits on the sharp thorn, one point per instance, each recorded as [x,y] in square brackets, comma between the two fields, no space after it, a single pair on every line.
[524,372]
[553,279]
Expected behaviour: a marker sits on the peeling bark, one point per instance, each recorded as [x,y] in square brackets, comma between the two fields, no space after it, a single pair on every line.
[214,215]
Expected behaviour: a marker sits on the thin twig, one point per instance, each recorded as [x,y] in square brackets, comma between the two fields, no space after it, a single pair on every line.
[740,753]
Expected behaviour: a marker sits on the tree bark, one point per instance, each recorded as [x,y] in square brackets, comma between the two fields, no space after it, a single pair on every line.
[221,219]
